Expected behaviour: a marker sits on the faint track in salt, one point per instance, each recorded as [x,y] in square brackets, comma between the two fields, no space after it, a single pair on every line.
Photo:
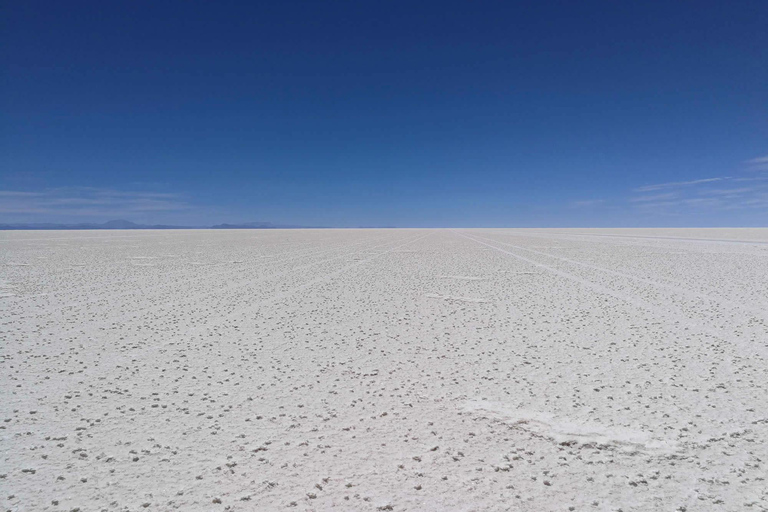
[244,283]
[107,236]
[676,289]
[327,277]
[639,303]
[128,314]
[225,272]
[75,239]
[274,298]
[181,271]
[318,280]
[669,238]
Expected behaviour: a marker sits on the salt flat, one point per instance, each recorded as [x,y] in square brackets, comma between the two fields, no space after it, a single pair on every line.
[384,370]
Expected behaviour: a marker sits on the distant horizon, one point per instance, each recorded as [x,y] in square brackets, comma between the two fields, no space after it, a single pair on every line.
[106,226]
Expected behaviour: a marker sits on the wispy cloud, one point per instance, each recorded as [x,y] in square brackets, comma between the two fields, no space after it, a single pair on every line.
[702,196]
[757,164]
[727,191]
[654,197]
[677,184]
[739,192]
[88,202]
[14,193]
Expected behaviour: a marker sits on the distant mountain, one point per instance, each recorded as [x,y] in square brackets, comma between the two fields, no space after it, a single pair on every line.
[125,224]
[120,224]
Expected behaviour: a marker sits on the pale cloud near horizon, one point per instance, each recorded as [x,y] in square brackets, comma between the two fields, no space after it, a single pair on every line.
[675,184]
[16,193]
[88,202]
[719,193]
[699,195]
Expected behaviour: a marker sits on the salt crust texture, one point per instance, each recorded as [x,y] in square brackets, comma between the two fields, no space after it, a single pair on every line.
[528,370]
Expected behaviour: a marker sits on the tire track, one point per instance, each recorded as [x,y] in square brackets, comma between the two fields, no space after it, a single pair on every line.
[676,289]
[669,238]
[242,282]
[146,349]
[638,303]
[278,275]
[320,279]
[304,253]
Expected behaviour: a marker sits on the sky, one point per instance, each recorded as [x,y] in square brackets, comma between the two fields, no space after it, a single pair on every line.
[390,113]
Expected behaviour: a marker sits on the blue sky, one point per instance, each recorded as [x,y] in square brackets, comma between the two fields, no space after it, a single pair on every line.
[386,113]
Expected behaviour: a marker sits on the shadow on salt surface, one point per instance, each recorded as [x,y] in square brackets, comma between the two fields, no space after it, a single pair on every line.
[566,432]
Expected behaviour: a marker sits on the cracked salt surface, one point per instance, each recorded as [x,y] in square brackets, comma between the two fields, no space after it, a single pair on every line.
[368,370]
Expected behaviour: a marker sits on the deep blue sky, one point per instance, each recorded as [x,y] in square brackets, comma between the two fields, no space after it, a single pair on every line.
[386,113]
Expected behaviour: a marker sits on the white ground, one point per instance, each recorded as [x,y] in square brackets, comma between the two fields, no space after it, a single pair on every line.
[384,370]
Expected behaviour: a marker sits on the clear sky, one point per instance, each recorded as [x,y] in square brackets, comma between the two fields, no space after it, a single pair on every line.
[386,113]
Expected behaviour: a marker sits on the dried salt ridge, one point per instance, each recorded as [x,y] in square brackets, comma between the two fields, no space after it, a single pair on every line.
[384,370]
[569,433]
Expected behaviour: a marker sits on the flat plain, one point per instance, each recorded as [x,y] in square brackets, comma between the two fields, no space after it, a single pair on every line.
[493,369]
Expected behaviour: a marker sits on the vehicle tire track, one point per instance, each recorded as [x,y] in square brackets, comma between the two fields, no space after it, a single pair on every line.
[639,303]
[209,275]
[676,289]
[240,283]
